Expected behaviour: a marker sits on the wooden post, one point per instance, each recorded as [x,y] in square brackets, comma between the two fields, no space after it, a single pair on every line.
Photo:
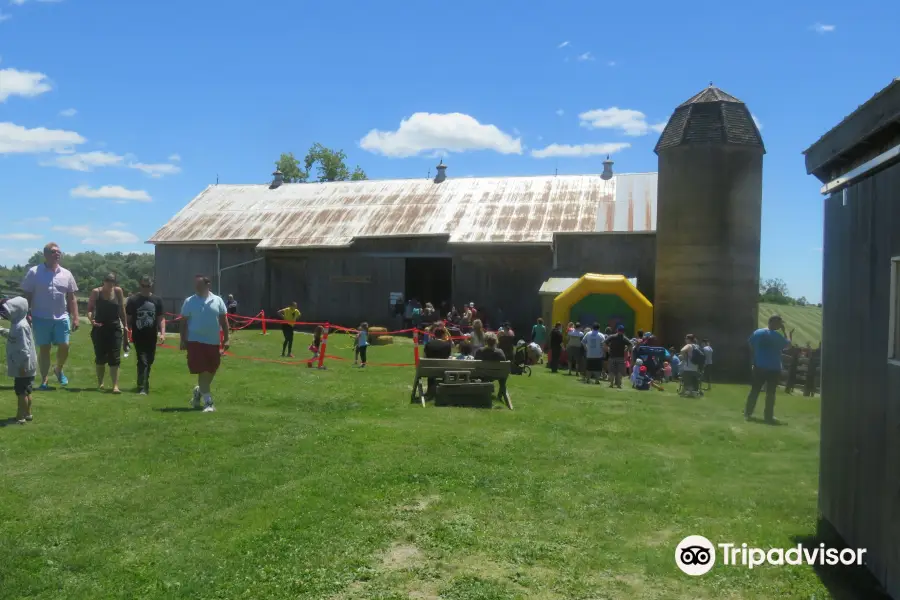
[324,344]
[262,315]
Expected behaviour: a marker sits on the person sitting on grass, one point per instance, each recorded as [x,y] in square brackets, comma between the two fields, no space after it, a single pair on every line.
[21,357]
[644,381]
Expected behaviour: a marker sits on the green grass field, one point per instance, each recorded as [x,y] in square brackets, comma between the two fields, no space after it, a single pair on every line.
[805,320]
[329,484]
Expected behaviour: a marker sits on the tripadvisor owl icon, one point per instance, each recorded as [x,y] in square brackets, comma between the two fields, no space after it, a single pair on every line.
[695,555]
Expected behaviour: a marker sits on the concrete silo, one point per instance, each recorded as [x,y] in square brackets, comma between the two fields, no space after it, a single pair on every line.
[709,212]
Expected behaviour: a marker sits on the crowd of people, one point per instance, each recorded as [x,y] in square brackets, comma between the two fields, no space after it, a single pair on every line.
[47,314]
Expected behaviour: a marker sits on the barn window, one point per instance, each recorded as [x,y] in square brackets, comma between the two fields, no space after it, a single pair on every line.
[894,331]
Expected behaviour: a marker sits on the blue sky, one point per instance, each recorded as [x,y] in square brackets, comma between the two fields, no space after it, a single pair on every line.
[104,104]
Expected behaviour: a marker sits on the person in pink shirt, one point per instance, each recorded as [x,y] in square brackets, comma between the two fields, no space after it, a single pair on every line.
[50,291]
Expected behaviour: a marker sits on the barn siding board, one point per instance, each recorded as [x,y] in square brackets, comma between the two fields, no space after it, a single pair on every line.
[632,255]
[860,452]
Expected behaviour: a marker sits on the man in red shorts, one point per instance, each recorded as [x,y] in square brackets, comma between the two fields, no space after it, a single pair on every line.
[204,320]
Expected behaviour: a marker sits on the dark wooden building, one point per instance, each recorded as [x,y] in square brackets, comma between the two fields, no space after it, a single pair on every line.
[859,483]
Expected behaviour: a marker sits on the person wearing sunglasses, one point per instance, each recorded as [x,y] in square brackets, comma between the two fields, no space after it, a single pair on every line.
[50,291]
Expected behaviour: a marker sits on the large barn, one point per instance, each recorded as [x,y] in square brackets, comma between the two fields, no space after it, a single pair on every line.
[342,250]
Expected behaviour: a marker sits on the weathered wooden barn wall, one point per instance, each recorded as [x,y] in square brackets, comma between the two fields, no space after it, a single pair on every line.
[349,285]
[629,254]
[177,264]
[859,480]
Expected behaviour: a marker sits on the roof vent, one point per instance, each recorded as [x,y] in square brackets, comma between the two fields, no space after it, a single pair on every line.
[607,169]
[441,172]
[277,179]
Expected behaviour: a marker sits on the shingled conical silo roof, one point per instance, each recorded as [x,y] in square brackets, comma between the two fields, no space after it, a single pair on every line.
[711,117]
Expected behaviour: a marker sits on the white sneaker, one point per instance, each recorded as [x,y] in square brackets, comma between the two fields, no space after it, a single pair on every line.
[195,401]
[210,407]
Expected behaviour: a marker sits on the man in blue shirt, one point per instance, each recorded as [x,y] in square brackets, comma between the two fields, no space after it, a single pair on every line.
[766,346]
[204,324]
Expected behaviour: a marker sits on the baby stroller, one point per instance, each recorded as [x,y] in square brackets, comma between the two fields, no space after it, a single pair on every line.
[519,364]
[653,358]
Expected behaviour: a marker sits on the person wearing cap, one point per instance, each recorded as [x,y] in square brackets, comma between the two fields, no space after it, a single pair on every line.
[616,345]
[147,321]
[766,346]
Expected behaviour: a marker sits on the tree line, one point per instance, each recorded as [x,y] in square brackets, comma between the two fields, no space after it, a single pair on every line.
[775,291]
[89,269]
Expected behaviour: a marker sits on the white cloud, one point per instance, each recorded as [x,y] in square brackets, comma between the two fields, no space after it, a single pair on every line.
[580,150]
[175,158]
[26,84]
[116,192]
[19,236]
[118,224]
[35,220]
[585,56]
[85,161]
[659,127]
[450,132]
[110,237]
[631,122]
[157,170]
[4,17]
[15,139]
[17,255]
[564,44]
[823,28]
[757,121]
[76,230]
[560,112]
[69,112]
[21,2]
[611,63]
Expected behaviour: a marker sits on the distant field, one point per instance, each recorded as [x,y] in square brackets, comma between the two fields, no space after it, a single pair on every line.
[806,321]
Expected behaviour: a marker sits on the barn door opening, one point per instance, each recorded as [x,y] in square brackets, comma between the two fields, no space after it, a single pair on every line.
[429,280]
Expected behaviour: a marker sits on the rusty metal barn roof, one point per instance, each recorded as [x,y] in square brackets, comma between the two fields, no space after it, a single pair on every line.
[522,210]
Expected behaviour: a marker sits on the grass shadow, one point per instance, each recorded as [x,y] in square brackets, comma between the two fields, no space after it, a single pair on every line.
[843,582]
[177,409]
[759,421]
[9,421]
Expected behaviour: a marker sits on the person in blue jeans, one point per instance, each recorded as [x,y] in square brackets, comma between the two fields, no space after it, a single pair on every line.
[766,346]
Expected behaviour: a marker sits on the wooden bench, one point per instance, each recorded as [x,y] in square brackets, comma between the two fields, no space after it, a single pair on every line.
[456,385]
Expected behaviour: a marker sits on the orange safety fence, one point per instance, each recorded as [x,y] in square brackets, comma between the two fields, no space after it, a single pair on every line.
[239,322]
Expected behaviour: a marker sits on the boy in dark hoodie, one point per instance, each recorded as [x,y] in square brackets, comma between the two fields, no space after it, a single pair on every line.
[21,358]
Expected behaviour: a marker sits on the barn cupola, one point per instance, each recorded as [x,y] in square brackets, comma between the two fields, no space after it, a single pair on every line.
[607,169]
[441,172]
[277,179]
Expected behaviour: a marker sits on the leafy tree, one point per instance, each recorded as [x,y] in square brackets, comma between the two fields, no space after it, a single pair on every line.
[290,169]
[801,301]
[773,287]
[89,269]
[330,164]
[358,174]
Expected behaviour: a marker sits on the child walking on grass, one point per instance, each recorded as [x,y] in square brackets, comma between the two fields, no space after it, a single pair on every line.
[316,344]
[21,358]
[362,343]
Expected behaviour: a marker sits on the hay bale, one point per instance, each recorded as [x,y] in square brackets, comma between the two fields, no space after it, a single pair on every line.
[383,340]
[377,330]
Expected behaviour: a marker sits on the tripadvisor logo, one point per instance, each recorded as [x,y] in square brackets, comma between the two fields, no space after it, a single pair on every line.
[695,555]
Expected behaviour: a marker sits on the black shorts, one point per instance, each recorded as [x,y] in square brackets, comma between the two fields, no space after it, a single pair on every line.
[107,341]
[24,386]
[594,365]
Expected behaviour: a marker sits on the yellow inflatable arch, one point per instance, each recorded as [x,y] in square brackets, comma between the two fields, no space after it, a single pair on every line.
[607,299]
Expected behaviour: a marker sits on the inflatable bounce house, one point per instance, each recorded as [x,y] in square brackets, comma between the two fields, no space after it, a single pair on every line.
[610,300]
